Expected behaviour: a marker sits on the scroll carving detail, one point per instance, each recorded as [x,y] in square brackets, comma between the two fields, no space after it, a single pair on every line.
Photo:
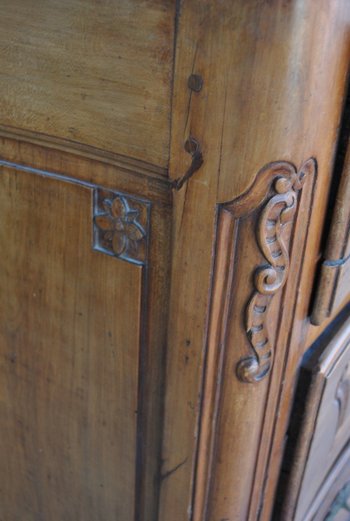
[270,277]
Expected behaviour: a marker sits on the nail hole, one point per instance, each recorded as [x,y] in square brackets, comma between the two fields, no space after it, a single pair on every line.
[195,82]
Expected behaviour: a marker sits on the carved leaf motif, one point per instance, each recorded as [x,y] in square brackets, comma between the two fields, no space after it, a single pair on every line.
[271,277]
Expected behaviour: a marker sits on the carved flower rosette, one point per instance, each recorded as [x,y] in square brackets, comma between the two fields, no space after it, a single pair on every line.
[120,226]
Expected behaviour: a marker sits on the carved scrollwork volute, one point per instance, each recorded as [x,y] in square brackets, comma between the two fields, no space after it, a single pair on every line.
[270,276]
[259,235]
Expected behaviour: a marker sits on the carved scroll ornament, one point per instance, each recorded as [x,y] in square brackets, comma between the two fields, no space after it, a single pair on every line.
[270,276]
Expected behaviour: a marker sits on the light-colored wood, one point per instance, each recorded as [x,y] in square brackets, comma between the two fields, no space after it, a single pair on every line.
[327,506]
[97,73]
[267,68]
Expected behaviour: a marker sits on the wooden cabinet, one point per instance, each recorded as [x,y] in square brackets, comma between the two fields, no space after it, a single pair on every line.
[167,180]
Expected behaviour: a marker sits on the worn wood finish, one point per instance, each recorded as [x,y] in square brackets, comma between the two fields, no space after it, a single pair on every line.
[267,68]
[97,73]
[324,422]
[331,498]
[86,166]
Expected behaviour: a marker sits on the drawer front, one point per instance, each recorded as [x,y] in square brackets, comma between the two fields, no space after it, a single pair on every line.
[320,426]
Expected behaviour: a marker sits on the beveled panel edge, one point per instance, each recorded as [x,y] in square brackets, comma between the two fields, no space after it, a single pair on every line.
[331,290]
[129,164]
[340,466]
[85,168]
[316,367]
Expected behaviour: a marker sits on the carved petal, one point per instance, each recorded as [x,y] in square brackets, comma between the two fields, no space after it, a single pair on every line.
[119,242]
[133,231]
[118,208]
[107,204]
[104,222]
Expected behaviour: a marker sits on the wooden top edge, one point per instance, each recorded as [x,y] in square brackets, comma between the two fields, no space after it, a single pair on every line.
[126,163]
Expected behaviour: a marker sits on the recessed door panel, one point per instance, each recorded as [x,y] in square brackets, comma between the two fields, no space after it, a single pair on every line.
[70,320]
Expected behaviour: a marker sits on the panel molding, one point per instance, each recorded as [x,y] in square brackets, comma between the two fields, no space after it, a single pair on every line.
[134,167]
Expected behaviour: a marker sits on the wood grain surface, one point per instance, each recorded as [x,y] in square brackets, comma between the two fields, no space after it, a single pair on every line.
[180,104]
[69,372]
[274,76]
[82,344]
[334,278]
[97,73]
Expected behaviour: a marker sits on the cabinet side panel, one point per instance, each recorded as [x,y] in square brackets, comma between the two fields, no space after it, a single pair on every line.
[70,341]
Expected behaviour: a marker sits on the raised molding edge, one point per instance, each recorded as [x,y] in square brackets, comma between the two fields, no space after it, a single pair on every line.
[236,257]
[132,166]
